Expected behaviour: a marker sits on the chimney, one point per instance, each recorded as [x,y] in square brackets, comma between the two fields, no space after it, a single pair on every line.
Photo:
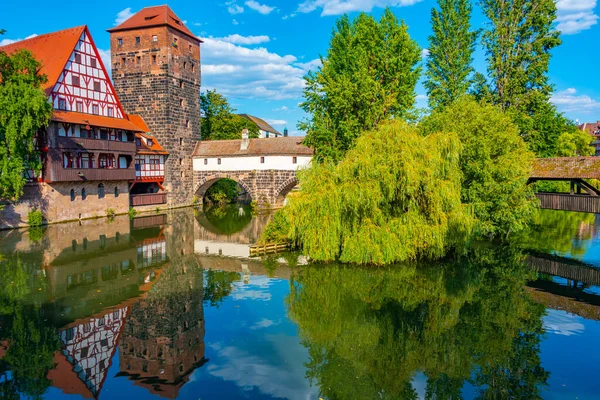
[245,141]
[285,132]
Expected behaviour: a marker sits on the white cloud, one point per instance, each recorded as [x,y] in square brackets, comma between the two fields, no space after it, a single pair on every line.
[263,323]
[261,8]
[311,65]
[421,97]
[574,16]
[235,22]
[562,323]
[239,39]
[337,7]
[6,42]
[292,15]
[234,8]
[569,101]
[277,122]
[425,53]
[123,16]
[197,23]
[282,109]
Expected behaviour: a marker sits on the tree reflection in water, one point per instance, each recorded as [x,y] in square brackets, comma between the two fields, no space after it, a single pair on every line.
[369,332]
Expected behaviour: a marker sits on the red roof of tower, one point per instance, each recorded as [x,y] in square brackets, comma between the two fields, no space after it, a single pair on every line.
[52,50]
[154,16]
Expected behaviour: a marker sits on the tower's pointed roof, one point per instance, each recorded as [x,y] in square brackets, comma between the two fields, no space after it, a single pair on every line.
[154,16]
[52,50]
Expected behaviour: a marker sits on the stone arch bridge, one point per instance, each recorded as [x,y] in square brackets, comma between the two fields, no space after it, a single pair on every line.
[265,168]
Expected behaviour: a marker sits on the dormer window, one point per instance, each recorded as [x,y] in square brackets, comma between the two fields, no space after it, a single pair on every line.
[150,142]
[138,142]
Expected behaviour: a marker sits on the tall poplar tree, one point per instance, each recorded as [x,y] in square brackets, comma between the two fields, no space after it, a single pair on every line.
[368,76]
[449,64]
[518,42]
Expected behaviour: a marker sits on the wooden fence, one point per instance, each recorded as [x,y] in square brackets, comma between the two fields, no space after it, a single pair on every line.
[149,221]
[147,199]
[570,202]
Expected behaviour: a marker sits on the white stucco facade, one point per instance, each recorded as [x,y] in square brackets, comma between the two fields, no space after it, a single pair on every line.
[251,163]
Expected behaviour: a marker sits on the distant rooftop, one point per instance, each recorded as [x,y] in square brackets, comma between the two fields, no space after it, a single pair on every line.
[280,146]
[261,123]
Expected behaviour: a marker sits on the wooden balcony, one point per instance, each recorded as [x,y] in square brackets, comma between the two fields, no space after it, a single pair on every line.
[56,173]
[147,199]
[75,143]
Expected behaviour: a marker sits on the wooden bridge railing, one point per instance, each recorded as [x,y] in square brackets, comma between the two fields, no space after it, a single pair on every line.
[147,199]
[565,268]
[570,202]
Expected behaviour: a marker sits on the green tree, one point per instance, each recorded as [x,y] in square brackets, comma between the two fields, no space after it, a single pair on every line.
[575,142]
[219,121]
[368,76]
[495,164]
[449,70]
[518,42]
[24,111]
[394,197]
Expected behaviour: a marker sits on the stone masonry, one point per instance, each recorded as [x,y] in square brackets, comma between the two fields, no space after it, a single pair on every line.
[267,187]
[159,78]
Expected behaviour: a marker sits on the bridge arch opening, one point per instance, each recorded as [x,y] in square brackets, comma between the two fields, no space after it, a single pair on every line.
[237,189]
[284,189]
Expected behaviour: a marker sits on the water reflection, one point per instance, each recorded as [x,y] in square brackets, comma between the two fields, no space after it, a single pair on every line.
[142,308]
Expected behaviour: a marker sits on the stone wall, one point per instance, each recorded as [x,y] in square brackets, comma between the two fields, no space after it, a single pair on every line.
[161,82]
[267,188]
[54,200]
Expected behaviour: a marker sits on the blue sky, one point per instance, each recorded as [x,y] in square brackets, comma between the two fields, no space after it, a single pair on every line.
[257,51]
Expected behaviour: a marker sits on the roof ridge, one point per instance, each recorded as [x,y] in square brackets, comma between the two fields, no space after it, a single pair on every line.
[19,43]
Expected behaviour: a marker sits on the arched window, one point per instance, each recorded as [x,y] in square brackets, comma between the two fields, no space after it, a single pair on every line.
[83,195]
[72,194]
[101,191]
[116,191]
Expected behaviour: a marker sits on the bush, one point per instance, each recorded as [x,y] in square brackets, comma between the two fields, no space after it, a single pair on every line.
[222,191]
[110,212]
[132,212]
[35,218]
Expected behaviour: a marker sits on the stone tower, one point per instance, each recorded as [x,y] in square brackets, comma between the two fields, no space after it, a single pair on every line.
[156,73]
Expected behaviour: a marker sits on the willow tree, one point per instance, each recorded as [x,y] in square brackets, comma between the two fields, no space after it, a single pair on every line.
[24,110]
[368,76]
[495,164]
[395,196]
[449,64]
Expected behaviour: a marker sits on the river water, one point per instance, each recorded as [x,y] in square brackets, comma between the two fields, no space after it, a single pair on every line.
[169,305]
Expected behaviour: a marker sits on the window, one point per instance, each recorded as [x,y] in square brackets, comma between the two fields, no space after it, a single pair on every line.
[187,123]
[103,134]
[93,62]
[181,141]
[62,104]
[193,67]
[87,133]
[181,161]
[116,191]
[106,161]
[294,160]
[190,47]
[123,61]
[111,112]
[181,84]
[84,352]
[83,195]
[101,191]
[219,161]
[97,86]
[75,80]
[138,60]
[120,41]
[175,41]
[138,142]
[138,40]
[181,102]
[67,160]
[84,160]
[150,142]
[267,134]
[184,65]
[72,194]
[262,160]
[78,58]
[206,161]
[155,38]
[153,58]
[95,109]
[80,106]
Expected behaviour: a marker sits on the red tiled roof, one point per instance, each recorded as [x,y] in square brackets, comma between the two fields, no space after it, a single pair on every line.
[566,167]
[94,120]
[593,128]
[257,147]
[156,148]
[52,50]
[139,121]
[154,16]
[261,123]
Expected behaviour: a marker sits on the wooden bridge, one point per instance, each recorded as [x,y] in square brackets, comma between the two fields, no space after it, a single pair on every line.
[583,196]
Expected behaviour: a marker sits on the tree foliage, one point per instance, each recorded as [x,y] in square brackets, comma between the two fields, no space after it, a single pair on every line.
[449,63]
[574,142]
[495,164]
[368,76]
[219,121]
[395,196]
[24,110]
[518,42]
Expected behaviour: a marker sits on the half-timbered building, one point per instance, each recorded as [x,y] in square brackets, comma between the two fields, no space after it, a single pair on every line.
[89,148]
